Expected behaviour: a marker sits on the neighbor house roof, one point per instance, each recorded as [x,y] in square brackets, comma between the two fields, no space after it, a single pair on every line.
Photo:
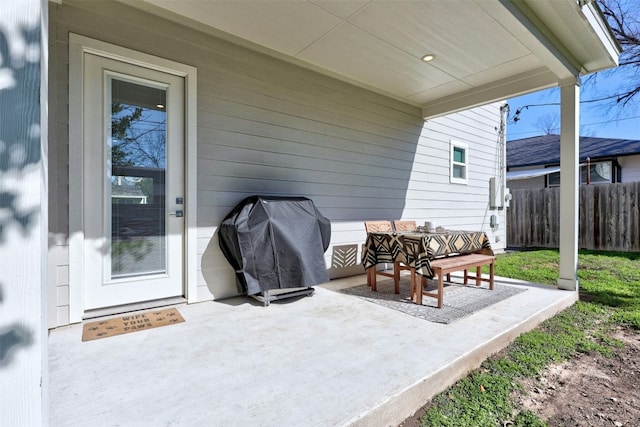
[545,149]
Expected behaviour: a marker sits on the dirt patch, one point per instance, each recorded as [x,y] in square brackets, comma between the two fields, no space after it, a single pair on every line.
[588,390]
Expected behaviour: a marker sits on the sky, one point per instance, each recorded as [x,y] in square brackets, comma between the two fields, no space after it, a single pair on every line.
[596,118]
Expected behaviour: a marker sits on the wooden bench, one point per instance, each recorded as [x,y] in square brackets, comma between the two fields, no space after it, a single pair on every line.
[442,266]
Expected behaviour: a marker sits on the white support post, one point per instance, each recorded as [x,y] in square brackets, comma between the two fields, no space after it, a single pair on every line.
[23,219]
[569,185]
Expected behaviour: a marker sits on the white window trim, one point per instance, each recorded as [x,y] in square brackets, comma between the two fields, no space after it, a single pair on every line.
[78,45]
[455,180]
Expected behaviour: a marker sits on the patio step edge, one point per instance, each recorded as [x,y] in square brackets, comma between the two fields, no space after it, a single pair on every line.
[397,408]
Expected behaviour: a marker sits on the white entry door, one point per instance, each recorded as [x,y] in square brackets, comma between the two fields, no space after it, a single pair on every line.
[133,183]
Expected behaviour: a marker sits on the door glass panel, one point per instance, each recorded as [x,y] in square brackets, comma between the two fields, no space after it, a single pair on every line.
[137,164]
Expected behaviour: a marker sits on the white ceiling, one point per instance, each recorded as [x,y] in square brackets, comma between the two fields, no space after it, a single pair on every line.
[485,49]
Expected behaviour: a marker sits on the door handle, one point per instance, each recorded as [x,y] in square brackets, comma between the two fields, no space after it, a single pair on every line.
[177,214]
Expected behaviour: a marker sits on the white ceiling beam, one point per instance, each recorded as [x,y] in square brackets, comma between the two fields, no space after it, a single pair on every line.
[497,91]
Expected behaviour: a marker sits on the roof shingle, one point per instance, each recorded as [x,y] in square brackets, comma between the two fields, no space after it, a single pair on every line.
[545,149]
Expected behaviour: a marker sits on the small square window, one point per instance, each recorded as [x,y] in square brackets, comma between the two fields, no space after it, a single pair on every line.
[459,163]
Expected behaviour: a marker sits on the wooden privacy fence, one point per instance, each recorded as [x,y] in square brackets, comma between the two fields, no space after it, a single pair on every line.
[609,217]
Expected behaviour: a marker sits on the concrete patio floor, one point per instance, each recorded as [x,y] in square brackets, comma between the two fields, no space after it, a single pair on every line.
[326,360]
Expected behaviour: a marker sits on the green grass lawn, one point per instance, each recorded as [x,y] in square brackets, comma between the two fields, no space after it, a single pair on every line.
[607,279]
[610,297]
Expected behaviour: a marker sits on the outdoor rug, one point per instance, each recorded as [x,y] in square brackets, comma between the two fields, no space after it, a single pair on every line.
[459,300]
[130,323]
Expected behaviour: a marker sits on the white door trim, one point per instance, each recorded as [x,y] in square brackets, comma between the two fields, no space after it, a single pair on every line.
[78,46]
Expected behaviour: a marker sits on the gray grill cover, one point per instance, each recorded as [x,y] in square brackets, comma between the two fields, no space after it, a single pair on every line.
[275,243]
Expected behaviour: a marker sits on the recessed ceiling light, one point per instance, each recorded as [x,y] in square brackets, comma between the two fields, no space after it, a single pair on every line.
[428,57]
[160,106]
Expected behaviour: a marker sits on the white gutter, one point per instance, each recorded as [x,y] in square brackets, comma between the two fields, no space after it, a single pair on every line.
[599,25]
[531,173]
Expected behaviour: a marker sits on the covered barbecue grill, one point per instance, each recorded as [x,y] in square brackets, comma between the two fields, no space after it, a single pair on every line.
[276,243]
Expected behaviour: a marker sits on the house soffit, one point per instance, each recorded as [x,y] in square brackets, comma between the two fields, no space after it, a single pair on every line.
[486,50]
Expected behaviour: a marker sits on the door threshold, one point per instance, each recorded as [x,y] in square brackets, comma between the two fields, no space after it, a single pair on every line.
[127,308]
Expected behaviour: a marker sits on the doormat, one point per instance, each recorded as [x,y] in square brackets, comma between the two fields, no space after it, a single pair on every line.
[458,301]
[130,323]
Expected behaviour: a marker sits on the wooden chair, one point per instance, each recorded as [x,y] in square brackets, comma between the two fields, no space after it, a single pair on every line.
[383,226]
[375,226]
[409,225]
[405,225]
